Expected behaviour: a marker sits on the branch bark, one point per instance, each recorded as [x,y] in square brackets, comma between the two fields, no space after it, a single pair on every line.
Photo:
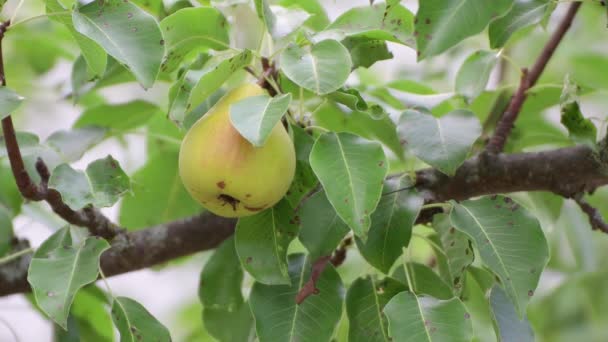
[528,79]
[566,171]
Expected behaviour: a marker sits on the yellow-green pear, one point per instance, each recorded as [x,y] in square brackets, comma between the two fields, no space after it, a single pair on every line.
[225,172]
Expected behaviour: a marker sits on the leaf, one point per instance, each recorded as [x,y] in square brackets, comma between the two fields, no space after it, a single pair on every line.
[135,323]
[524,13]
[230,326]
[581,129]
[365,52]
[365,302]
[277,316]
[424,280]
[255,117]
[119,117]
[9,101]
[413,318]
[443,143]
[6,229]
[337,119]
[392,224]
[94,55]
[321,229]
[441,24]
[262,8]
[474,74]
[102,185]
[192,29]
[288,21]
[510,327]
[351,170]
[10,197]
[393,23]
[126,32]
[71,145]
[509,240]
[59,269]
[221,279]
[318,19]
[91,319]
[158,194]
[321,68]
[262,241]
[478,282]
[457,250]
[304,180]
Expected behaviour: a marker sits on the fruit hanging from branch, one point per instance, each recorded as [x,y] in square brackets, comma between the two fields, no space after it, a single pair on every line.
[227,174]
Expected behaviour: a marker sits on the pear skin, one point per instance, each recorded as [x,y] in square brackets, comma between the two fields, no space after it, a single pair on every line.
[227,174]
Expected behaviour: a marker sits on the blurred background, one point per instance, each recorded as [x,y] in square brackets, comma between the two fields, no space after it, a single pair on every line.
[571,302]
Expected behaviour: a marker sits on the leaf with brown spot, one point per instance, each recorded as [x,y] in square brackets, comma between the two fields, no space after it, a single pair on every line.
[133,321]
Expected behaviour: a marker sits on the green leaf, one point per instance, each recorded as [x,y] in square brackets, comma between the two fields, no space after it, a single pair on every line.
[158,194]
[364,52]
[102,185]
[392,224]
[262,8]
[135,323]
[277,316]
[441,24]
[154,7]
[365,302]
[230,326]
[351,170]
[443,143]
[119,117]
[221,279]
[509,240]
[262,241]
[321,68]
[9,101]
[91,319]
[474,296]
[337,119]
[510,327]
[10,197]
[581,129]
[71,145]
[59,269]
[524,13]
[474,74]
[393,23]
[126,32]
[305,179]
[94,55]
[321,229]
[424,280]
[193,29]
[256,117]
[457,250]
[422,318]
[6,229]
[318,19]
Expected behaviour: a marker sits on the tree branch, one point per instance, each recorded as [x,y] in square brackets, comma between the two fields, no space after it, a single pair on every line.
[89,217]
[565,171]
[528,79]
[595,217]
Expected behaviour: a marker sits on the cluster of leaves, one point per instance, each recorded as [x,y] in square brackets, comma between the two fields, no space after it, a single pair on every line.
[486,254]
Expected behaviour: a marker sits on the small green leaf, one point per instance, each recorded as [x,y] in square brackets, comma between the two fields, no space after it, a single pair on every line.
[91,319]
[221,279]
[365,52]
[121,118]
[581,129]
[365,302]
[279,319]
[443,143]
[424,280]
[510,242]
[392,224]
[102,185]
[352,171]
[305,179]
[422,318]
[126,32]
[524,13]
[474,74]
[59,269]
[9,101]
[257,116]
[510,327]
[321,229]
[321,68]
[135,323]
[441,24]
[192,29]
[262,241]
[72,144]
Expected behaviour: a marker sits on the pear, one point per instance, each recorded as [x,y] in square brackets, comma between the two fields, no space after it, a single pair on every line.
[227,174]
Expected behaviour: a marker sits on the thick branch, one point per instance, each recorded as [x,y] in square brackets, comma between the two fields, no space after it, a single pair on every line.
[140,249]
[528,79]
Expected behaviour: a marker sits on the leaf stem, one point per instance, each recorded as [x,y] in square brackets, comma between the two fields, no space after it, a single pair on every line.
[11,257]
[406,269]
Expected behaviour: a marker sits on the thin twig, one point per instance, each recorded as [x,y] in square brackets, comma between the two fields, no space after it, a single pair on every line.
[595,217]
[90,218]
[529,78]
